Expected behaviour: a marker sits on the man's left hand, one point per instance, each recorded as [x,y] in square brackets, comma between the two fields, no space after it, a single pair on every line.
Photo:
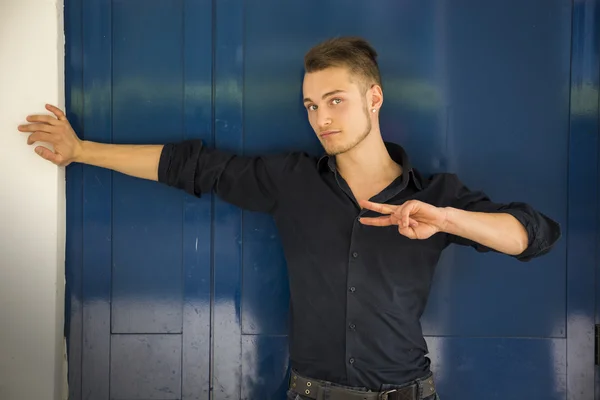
[415,219]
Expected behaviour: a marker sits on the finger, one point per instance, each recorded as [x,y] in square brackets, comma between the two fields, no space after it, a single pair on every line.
[378,207]
[395,218]
[47,154]
[377,221]
[56,111]
[412,223]
[408,232]
[40,137]
[38,127]
[405,210]
[43,118]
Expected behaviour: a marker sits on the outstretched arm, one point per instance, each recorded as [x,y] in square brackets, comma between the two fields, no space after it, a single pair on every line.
[251,183]
[418,220]
[471,218]
[140,161]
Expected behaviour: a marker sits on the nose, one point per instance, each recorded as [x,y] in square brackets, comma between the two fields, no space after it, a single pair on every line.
[323,118]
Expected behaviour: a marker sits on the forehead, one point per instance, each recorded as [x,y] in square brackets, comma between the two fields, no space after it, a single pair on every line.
[317,83]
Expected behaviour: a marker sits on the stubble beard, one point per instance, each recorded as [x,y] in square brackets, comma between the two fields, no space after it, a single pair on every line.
[334,151]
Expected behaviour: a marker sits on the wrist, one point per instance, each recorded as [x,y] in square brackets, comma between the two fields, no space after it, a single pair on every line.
[450,222]
[80,152]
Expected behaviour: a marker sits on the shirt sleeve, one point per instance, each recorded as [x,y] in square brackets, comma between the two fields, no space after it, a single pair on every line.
[251,183]
[542,231]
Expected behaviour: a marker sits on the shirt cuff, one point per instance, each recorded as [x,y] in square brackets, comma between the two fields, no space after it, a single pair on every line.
[542,233]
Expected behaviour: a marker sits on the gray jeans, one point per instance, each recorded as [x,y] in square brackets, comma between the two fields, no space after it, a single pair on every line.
[293,395]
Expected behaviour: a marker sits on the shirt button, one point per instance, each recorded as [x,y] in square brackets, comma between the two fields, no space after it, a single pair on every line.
[352,326]
[355,255]
[352,289]
[351,360]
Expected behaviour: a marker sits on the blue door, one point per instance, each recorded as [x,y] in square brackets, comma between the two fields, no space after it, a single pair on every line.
[174,297]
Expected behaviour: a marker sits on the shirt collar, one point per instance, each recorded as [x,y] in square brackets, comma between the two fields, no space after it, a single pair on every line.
[396,152]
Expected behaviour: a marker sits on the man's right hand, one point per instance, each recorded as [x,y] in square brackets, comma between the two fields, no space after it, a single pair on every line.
[58,132]
[140,161]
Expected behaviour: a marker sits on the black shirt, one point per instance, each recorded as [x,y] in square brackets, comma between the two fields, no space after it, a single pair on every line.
[357,292]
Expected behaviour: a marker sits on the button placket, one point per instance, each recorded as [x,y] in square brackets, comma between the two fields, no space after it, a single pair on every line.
[355,271]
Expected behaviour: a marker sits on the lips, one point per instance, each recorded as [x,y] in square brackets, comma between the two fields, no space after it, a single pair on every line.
[328,133]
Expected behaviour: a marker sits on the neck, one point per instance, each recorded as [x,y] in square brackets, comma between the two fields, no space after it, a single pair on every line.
[369,161]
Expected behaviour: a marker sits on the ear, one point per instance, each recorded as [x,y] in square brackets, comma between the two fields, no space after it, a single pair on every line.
[375,97]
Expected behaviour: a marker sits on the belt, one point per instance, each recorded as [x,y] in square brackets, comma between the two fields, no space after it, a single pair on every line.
[313,389]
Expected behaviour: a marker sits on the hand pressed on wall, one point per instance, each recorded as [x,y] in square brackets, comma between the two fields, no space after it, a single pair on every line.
[57,131]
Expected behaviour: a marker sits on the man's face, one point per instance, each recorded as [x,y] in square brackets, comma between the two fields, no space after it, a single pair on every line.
[337,109]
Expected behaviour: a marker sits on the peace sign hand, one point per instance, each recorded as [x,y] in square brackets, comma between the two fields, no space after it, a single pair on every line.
[415,219]
[54,130]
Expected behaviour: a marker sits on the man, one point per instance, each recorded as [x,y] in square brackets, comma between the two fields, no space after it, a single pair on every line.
[362,230]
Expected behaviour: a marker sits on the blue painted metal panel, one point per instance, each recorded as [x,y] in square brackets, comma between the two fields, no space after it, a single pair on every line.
[227,223]
[147,218]
[203,285]
[582,236]
[265,362]
[197,213]
[508,136]
[128,128]
[97,204]
[74,201]
[145,367]
[500,368]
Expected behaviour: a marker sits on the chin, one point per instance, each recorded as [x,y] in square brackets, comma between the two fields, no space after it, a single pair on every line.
[336,150]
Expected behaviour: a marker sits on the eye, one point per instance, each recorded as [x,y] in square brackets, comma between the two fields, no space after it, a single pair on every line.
[312,107]
[336,101]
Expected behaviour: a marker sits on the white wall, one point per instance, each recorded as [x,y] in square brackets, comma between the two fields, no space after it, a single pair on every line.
[32,205]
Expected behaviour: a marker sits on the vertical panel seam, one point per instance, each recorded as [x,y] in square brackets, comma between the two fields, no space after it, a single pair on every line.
[211,369]
[183,208]
[112,199]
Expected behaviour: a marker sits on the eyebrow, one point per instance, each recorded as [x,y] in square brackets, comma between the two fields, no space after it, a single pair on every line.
[306,99]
